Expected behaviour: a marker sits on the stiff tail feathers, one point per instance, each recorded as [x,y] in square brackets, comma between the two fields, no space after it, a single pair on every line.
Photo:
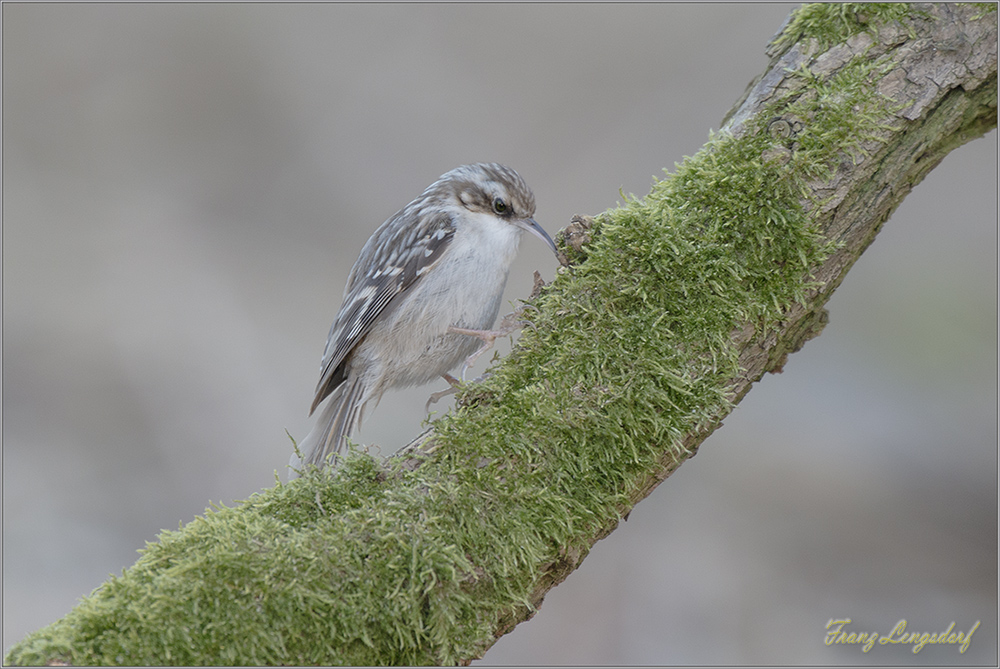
[338,418]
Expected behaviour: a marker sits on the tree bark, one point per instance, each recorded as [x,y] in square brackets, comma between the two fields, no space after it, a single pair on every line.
[944,74]
[432,556]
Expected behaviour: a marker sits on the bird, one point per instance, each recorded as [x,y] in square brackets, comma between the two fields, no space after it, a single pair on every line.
[420,298]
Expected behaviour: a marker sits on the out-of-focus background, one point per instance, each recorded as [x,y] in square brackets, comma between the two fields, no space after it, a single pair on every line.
[186,186]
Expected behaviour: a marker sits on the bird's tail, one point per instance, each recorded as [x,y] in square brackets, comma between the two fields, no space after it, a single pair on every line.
[339,416]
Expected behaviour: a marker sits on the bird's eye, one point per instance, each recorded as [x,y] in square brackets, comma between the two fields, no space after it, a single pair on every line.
[499,206]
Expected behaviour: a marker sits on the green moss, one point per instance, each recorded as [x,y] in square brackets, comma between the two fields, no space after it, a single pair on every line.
[339,568]
[833,23]
[631,350]
[984,9]
[841,116]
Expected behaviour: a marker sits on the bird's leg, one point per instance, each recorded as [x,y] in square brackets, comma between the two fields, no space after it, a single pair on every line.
[508,324]
[486,336]
[453,383]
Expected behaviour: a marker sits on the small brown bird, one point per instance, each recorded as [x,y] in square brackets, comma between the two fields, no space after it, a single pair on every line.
[420,297]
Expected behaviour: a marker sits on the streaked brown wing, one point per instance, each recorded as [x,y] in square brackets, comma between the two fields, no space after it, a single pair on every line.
[397,259]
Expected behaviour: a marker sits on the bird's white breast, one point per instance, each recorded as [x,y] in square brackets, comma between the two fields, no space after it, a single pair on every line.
[464,289]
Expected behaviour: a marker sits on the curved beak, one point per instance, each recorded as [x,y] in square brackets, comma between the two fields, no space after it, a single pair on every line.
[531,225]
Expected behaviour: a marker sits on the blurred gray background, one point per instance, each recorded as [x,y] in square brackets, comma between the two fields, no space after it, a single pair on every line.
[186,187]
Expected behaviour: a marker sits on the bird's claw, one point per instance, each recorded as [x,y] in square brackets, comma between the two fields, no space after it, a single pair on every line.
[454,385]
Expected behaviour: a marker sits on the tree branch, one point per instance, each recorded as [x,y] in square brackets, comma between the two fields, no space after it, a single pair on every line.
[667,310]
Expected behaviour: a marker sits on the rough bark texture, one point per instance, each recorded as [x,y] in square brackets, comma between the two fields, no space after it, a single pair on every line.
[945,73]
[437,578]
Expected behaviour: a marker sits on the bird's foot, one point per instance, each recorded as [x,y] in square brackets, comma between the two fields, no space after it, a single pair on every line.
[508,325]
[454,385]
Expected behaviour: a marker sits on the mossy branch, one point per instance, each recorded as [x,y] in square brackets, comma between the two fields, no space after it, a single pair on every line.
[671,307]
